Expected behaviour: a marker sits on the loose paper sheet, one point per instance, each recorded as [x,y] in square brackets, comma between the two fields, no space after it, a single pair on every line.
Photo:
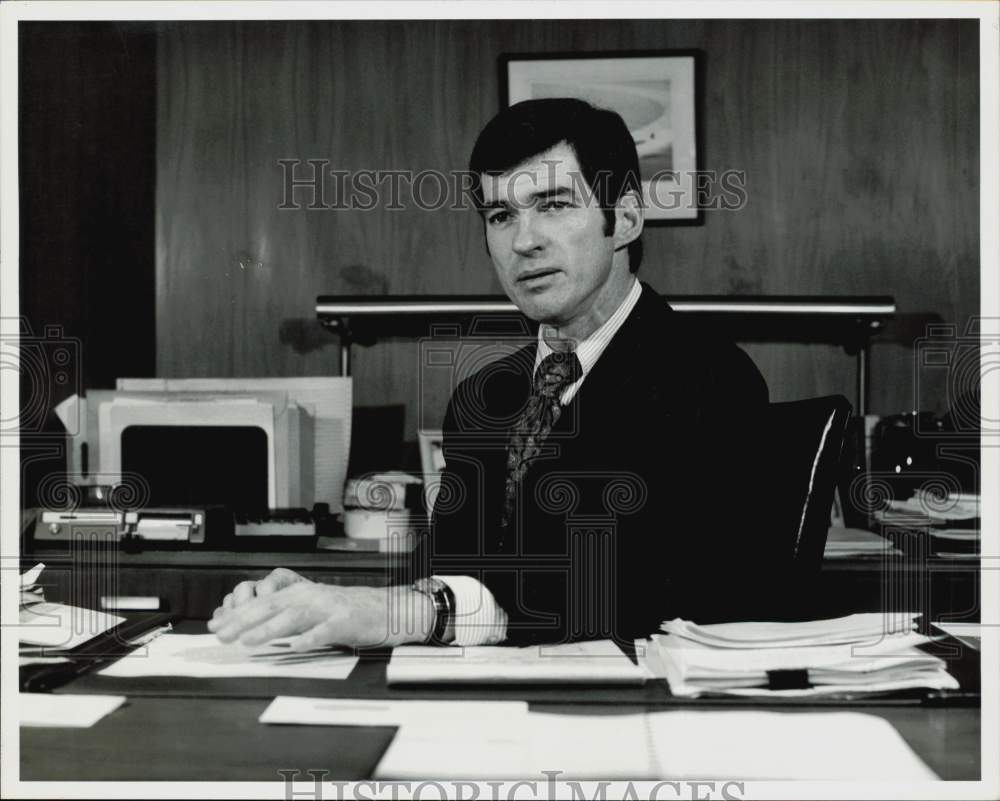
[203,656]
[663,745]
[595,661]
[65,711]
[60,626]
[365,712]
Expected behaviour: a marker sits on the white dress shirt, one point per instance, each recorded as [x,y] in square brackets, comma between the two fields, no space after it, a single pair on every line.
[479,619]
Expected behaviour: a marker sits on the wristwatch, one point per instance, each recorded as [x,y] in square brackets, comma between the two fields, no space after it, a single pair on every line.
[444,608]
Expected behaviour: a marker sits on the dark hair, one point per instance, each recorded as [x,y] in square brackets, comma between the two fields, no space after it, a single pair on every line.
[599,138]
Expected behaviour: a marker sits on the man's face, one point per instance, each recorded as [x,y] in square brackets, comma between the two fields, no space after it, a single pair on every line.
[545,234]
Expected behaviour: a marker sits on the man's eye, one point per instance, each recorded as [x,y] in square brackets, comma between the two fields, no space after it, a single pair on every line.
[553,205]
[497,217]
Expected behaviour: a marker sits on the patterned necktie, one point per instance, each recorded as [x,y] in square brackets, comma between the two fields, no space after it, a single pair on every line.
[556,372]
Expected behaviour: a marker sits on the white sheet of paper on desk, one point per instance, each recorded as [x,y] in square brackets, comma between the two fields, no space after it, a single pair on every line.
[203,656]
[610,746]
[377,712]
[52,625]
[957,534]
[662,745]
[845,542]
[30,577]
[595,661]
[488,748]
[955,507]
[755,745]
[65,711]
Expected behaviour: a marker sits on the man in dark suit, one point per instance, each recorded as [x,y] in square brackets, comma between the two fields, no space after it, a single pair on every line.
[577,496]
[602,531]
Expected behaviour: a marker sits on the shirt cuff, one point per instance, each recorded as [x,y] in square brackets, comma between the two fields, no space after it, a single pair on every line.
[479,620]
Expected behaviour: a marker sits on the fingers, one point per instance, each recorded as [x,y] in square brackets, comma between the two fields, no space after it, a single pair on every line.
[317,637]
[277,580]
[286,622]
[231,624]
[244,592]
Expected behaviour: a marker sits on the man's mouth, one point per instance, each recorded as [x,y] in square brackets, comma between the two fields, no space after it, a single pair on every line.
[536,276]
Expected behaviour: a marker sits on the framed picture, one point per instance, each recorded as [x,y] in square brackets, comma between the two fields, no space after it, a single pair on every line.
[654,92]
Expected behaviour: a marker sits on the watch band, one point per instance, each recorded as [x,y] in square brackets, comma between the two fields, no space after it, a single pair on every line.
[444,608]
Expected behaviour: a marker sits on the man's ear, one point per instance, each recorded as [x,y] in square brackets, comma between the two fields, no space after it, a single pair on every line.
[629,218]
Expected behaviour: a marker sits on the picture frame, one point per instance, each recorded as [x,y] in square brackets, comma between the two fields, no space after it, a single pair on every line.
[655,92]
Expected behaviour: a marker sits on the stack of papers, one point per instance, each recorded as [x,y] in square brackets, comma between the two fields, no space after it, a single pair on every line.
[843,543]
[31,593]
[854,654]
[45,626]
[591,662]
[926,508]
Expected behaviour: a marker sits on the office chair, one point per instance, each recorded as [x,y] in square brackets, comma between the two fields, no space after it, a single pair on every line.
[803,466]
[784,464]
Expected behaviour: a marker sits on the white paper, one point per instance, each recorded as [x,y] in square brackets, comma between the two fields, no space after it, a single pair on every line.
[65,711]
[970,634]
[743,745]
[60,626]
[375,712]
[492,748]
[957,534]
[203,656]
[955,507]
[845,542]
[595,661]
[860,627]
[855,657]
[30,578]
[835,670]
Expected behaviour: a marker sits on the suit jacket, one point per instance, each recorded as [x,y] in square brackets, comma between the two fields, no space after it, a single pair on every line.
[615,528]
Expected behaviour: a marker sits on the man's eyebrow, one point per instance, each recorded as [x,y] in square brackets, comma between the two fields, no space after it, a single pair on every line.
[540,194]
[555,191]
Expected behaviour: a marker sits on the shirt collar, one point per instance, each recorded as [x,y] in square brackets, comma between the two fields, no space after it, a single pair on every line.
[589,350]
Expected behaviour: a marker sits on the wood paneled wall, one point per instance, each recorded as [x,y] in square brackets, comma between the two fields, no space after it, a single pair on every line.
[859,140]
[87,169]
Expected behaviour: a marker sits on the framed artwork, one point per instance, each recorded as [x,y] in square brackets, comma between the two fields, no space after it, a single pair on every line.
[654,92]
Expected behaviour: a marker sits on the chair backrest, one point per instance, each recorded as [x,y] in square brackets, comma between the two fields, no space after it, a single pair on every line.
[803,464]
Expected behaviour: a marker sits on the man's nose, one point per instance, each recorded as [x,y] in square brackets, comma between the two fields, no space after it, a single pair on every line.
[527,238]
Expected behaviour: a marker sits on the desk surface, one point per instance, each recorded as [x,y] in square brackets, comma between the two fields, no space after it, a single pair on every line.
[194,739]
[176,729]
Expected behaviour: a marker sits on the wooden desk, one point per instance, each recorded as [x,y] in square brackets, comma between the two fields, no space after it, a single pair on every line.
[219,739]
[207,729]
[192,583]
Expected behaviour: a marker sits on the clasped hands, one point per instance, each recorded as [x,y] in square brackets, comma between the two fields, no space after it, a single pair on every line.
[314,615]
